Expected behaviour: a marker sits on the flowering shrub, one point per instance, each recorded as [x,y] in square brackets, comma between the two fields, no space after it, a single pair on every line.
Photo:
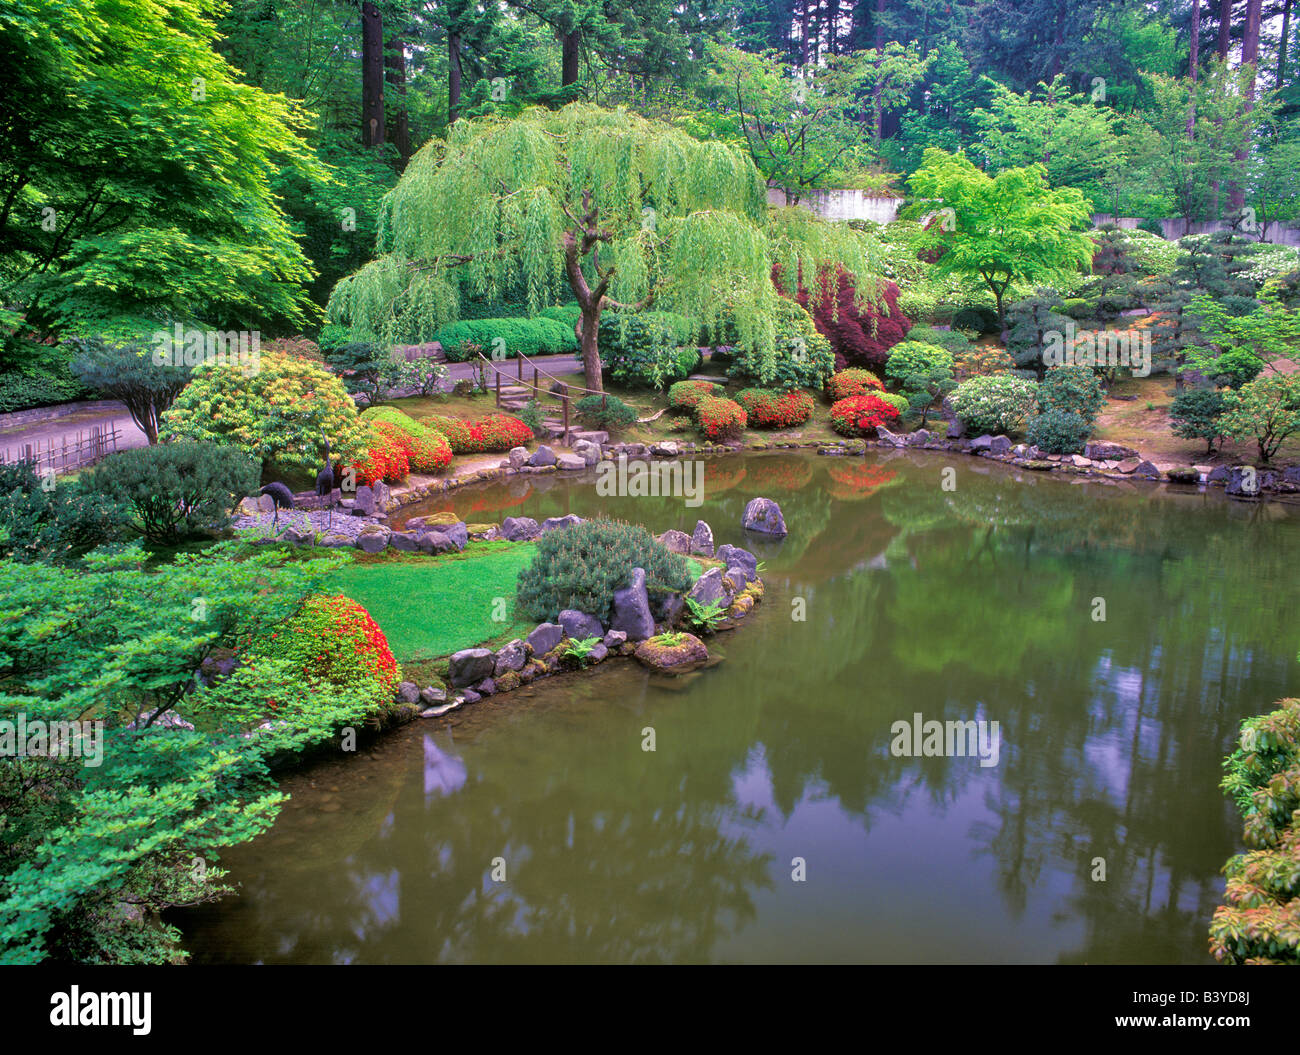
[981,360]
[496,432]
[720,419]
[428,449]
[862,415]
[684,395]
[852,382]
[386,455]
[999,403]
[775,410]
[333,640]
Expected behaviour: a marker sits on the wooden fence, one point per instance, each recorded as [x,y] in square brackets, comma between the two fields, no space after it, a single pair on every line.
[66,453]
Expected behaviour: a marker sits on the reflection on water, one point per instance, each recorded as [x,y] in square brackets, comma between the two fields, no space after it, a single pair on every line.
[964,604]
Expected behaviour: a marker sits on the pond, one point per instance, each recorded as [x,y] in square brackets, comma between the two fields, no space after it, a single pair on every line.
[979,602]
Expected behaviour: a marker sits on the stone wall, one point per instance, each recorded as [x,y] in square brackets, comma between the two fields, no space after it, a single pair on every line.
[847,204]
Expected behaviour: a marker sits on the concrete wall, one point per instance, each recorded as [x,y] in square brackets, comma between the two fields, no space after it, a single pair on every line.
[841,204]
[1276,232]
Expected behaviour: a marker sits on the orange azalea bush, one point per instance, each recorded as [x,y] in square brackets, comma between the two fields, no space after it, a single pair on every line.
[686,395]
[775,410]
[335,641]
[429,451]
[496,432]
[386,455]
[852,382]
[720,419]
[862,415]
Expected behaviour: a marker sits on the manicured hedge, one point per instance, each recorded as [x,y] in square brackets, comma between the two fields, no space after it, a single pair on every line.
[686,395]
[852,382]
[539,336]
[862,415]
[765,409]
[720,419]
[496,432]
[429,450]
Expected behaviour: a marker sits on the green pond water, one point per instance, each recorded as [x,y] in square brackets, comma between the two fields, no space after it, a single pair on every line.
[976,603]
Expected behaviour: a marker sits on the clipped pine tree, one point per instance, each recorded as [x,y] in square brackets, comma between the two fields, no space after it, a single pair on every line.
[599,206]
[1028,322]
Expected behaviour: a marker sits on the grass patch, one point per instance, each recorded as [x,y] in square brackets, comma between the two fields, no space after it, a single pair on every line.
[432,606]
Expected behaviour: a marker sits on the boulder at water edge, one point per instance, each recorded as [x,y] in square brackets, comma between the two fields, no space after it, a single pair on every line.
[687,654]
[632,608]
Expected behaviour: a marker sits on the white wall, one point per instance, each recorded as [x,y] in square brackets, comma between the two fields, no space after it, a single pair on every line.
[837,204]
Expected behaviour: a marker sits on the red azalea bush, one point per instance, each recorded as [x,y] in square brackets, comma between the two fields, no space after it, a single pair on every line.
[428,449]
[775,410]
[852,382]
[859,337]
[386,455]
[862,415]
[686,395]
[494,433]
[334,640]
[720,419]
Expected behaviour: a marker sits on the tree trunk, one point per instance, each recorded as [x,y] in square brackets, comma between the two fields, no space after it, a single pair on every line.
[590,347]
[1249,58]
[372,76]
[570,57]
[1225,29]
[453,75]
[395,74]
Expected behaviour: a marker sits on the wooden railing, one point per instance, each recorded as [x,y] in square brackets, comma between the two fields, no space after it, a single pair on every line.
[56,456]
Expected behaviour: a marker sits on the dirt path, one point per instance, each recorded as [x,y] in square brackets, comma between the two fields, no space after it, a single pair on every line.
[65,427]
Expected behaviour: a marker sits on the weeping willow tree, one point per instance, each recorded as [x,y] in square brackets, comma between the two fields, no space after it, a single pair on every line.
[621,211]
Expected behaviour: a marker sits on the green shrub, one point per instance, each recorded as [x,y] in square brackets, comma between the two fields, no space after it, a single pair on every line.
[605,412]
[803,357]
[37,375]
[1073,389]
[1195,415]
[128,372]
[581,566]
[995,403]
[569,314]
[282,415]
[953,341]
[646,349]
[684,396]
[429,451]
[506,338]
[531,415]
[922,371]
[896,400]
[175,490]
[44,520]
[977,317]
[1057,432]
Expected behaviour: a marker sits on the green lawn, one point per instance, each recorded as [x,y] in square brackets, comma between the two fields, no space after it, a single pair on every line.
[432,606]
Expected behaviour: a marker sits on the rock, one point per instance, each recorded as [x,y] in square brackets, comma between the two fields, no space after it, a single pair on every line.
[519,529]
[433,520]
[598,652]
[702,540]
[363,502]
[614,638]
[1220,475]
[1101,452]
[894,439]
[335,540]
[404,541]
[1245,481]
[632,608]
[298,536]
[586,450]
[518,457]
[763,516]
[1290,475]
[167,720]
[570,462]
[486,687]
[432,696]
[542,456]
[511,657]
[918,437]
[509,681]
[408,692]
[545,637]
[383,496]
[1184,475]
[734,556]
[580,625]
[1147,471]
[470,696]
[1041,465]
[439,711]
[671,608]
[676,541]
[435,542]
[247,507]
[373,539]
[598,437]
[1079,461]
[672,659]
[708,588]
[470,665]
[1128,465]
[265,504]
[955,430]
[981,443]
[735,580]
[554,523]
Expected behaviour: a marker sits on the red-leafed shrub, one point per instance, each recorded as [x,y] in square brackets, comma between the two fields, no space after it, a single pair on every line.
[334,640]
[765,409]
[852,382]
[496,432]
[862,415]
[720,419]
[386,455]
[686,395]
[858,336]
